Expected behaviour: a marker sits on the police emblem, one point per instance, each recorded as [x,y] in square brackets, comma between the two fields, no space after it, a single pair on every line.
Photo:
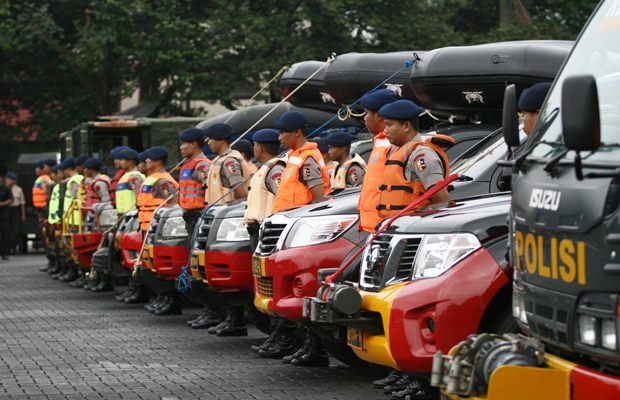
[306,172]
[420,164]
[230,165]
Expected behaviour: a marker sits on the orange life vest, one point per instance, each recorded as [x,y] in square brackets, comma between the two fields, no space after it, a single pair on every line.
[147,202]
[39,195]
[396,191]
[93,197]
[370,193]
[293,192]
[191,192]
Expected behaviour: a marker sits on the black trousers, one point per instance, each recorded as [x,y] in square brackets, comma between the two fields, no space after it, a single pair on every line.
[15,227]
[5,239]
[191,218]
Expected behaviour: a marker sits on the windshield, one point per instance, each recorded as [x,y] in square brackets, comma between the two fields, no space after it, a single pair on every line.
[596,53]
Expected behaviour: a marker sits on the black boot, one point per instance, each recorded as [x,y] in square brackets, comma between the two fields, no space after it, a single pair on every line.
[305,347]
[127,293]
[392,378]
[211,317]
[79,282]
[399,385]
[197,317]
[71,275]
[171,306]
[62,270]
[286,342]
[139,296]
[235,323]
[104,285]
[213,330]
[316,356]
[155,304]
[277,327]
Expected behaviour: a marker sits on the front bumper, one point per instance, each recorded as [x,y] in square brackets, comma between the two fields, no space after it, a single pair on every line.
[130,246]
[276,274]
[84,245]
[423,316]
[165,261]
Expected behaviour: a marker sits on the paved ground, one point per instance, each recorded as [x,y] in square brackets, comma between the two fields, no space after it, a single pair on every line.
[57,342]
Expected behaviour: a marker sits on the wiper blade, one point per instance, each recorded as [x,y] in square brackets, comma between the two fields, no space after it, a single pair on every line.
[464,178]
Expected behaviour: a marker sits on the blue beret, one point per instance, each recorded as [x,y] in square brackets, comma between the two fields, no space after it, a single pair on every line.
[244,146]
[401,110]
[218,131]
[532,98]
[50,161]
[157,153]
[375,99]
[291,121]
[192,135]
[92,162]
[68,163]
[11,175]
[81,159]
[266,136]
[322,144]
[115,151]
[339,139]
[40,164]
[127,154]
[142,156]
[56,168]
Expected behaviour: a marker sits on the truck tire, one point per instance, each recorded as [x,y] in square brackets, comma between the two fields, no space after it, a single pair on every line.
[342,352]
[504,323]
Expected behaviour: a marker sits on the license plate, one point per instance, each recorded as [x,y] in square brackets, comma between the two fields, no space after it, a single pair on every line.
[355,337]
[258,266]
[194,261]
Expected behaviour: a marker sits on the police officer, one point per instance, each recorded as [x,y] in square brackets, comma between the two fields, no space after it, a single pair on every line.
[41,188]
[129,183]
[413,166]
[55,207]
[349,171]
[304,179]
[227,180]
[73,215]
[142,162]
[6,198]
[330,165]
[229,168]
[98,185]
[79,167]
[192,180]
[245,147]
[115,153]
[369,195]
[157,189]
[530,102]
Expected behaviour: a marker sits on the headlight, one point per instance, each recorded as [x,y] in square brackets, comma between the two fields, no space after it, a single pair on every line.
[173,228]
[108,218]
[438,253]
[587,330]
[232,230]
[518,306]
[608,334]
[309,231]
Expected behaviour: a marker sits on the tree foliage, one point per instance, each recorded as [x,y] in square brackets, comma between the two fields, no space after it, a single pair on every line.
[68,61]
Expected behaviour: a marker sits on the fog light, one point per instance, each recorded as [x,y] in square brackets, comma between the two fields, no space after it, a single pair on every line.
[608,334]
[587,330]
[518,307]
[298,287]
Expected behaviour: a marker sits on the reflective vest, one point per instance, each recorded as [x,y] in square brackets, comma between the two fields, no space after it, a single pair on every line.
[373,176]
[338,177]
[215,189]
[147,202]
[114,184]
[39,195]
[93,197]
[77,213]
[125,196]
[260,199]
[293,192]
[396,191]
[191,192]
[330,167]
[52,214]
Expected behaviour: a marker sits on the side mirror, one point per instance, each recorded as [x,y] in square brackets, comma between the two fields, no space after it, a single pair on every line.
[510,121]
[581,124]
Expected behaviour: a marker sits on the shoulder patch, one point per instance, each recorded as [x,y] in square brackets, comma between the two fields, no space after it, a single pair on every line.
[420,164]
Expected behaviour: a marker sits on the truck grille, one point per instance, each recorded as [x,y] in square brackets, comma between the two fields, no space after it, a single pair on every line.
[203,232]
[548,315]
[269,235]
[390,258]
[265,286]
[150,234]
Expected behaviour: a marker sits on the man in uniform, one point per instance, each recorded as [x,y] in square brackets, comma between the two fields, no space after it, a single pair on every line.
[55,207]
[330,165]
[142,163]
[227,180]
[17,212]
[349,171]
[98,186]
[127,190]
[305,179]
[245,147]
[6,198]
[530,102]
[115,153]
[369,195]
[192,180]
[74,217]
[41,191]
[158,189]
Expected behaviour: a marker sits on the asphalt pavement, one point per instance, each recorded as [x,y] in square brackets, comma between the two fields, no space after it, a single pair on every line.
[57,342]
